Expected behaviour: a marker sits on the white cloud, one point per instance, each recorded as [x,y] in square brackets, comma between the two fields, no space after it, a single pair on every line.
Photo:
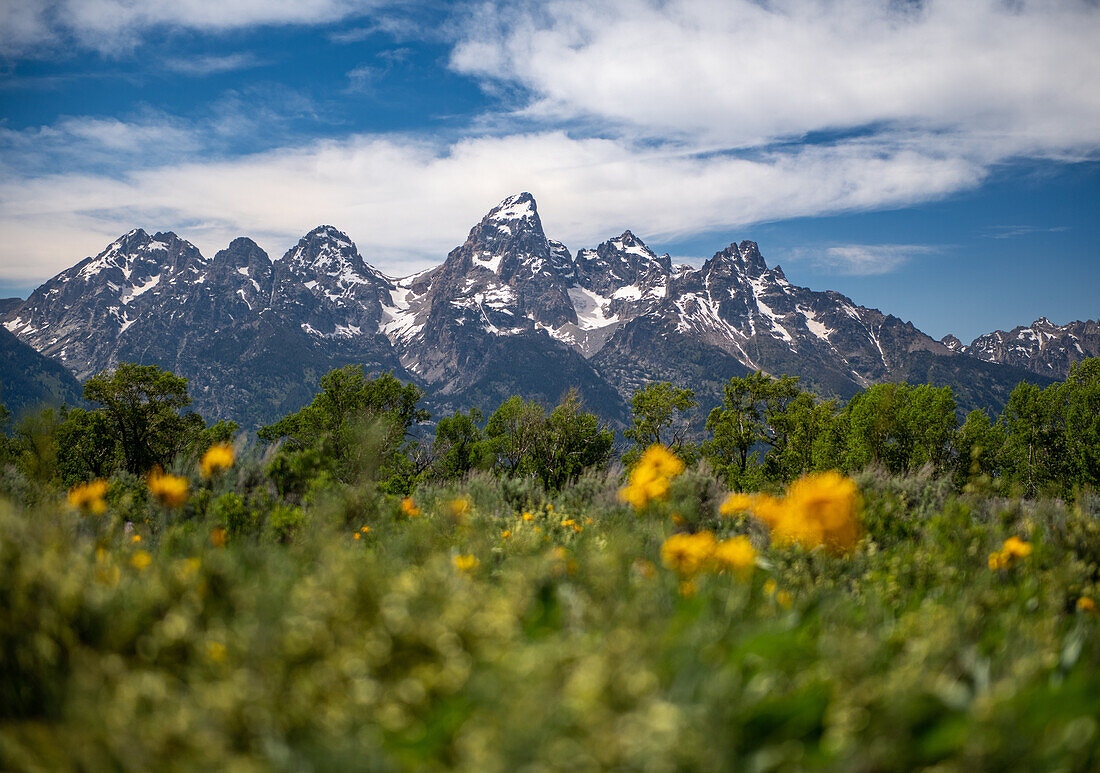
[112,25]
[996,78]
[407,202]
[868,259]
[209,65]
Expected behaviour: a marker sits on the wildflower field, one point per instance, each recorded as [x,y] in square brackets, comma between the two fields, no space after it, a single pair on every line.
[193,621]
[802,587]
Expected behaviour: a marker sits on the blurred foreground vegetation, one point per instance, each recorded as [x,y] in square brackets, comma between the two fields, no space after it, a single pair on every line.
[348,596]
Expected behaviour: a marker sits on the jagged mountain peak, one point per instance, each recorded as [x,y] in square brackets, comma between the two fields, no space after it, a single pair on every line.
[745,258]
[326,254]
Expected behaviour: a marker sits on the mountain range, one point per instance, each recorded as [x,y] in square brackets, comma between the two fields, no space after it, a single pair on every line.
[509,311]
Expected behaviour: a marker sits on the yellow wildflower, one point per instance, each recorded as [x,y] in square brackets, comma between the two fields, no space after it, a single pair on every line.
[1011,549]
[735,555]
[466,563]
[649,480]
[136,538]
[409,508]
[218,536]
[170,490]
[89,497]
[686,554]
[688,588]
[527,516]
[216,651]
[506,534]
[365,530]
[770,586]
[1086,604]
[217,458]
[460,508]
[140,560]
[356,535]
[783,599]
[819,509]
[736,503]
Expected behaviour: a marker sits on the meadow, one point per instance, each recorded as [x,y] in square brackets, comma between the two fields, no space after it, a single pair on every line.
[487,625]
[866,588]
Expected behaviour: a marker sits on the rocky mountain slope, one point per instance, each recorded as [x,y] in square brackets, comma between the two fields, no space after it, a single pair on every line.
[1041,347]
[509,311]
[29,379]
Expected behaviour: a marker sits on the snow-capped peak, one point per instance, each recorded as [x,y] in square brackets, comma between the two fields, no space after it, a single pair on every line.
[517,207]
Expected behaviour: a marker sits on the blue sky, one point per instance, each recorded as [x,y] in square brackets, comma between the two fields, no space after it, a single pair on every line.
[937,160]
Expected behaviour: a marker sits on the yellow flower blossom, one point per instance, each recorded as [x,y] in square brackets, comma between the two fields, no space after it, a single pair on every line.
[465,563]
[568,522]
[506,534]
[409,508]
[356,535]
[169,490]
[217,458]
[365,530]
[687,554]
[819,509]
[527,516]
[459,508]
[649,480]
[140,560]
[770,586]
[737,502]
[136,538]
[1086,604]
[216,651]
[1011,549]
[783,599]
[735,555]
[89,497]
[218,537]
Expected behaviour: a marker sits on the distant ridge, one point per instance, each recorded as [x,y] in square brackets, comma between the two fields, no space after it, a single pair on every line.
[509,311]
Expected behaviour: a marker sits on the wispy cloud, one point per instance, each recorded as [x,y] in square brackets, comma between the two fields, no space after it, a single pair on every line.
[34,27]
[408,201]
[859,259]
[1014,231]
[986,78]
[210,65]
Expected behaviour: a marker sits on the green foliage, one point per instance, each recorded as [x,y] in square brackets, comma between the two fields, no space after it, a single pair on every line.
[522,439]
[356,427]
[660,413]
[900,427]
[141,405]
[339,634]
[459,446]
[766,429]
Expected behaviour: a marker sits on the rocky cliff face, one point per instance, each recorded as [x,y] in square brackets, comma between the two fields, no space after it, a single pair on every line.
[1041,347]
[509,311]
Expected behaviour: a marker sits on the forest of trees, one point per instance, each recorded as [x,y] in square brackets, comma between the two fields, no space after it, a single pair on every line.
[766,432]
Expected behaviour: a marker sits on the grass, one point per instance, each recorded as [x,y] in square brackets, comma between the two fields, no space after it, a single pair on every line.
[297,646]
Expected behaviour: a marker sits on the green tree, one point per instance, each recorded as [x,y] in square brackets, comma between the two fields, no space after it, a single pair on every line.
[900,427]
[1033,454]
[142,405]
[359,426]
[459,445]
[1081,400]
[512,433]
[571,442]
[978,445]
[752,421]
[87,446]
[661,414]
